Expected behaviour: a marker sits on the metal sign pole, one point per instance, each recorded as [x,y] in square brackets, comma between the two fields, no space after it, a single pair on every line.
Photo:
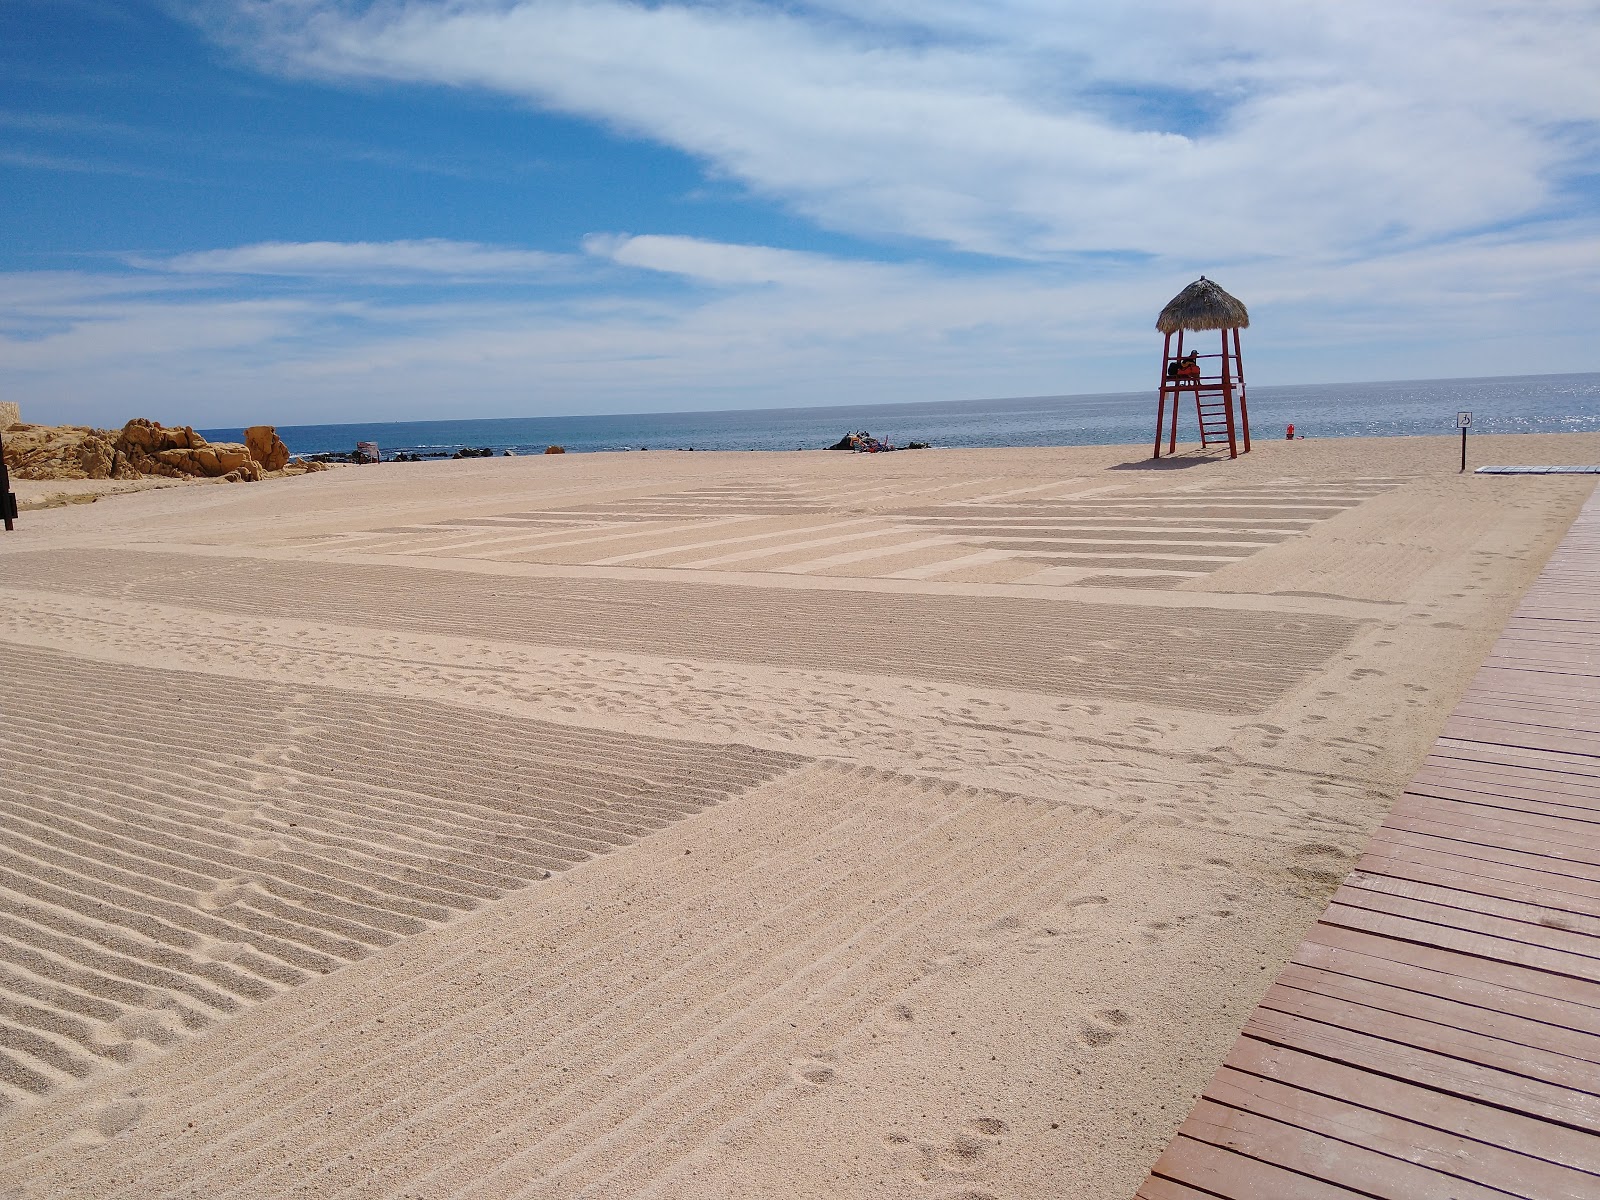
[1463,419]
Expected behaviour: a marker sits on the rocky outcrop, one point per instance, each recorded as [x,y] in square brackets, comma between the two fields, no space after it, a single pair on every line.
[180,452]
[143,447]
[97,458]
[266,447]
[64,452]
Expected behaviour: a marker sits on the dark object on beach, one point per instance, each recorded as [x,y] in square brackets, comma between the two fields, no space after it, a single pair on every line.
[1199,307]
[469,452]
[8,498]
[918,446]
[555,449]
[863,442]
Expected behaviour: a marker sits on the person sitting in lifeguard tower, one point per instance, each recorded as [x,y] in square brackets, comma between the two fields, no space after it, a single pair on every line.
[1187,367]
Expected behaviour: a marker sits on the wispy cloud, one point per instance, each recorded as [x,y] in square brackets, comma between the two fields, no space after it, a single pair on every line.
[34,161]
[750,326]
[380,261]
[715,262]
[1343,124]
[1396,190]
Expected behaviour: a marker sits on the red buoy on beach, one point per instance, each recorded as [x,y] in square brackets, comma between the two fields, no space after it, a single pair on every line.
[1213,379]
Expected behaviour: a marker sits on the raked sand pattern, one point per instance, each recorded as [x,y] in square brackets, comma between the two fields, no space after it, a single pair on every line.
[919,825]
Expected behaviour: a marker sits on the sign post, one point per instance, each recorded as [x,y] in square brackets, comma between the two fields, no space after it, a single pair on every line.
[1463,419]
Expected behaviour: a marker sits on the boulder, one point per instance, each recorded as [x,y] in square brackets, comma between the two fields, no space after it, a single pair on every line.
[140,447]
[206,461]
[266,447]
[96,457]
[58,452]
[555,449]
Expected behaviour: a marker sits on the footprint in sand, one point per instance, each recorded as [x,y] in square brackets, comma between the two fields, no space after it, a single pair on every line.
[1104,1027]
[963,1154]
[812,1072]
[106,1120]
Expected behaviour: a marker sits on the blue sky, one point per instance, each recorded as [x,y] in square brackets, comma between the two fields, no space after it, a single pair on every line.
[309,210]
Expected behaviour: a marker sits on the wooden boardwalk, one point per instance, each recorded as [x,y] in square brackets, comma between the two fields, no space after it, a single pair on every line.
[1438,1032]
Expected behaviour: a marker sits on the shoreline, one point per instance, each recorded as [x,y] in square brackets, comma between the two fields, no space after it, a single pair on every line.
[1483,449]
[1504,404]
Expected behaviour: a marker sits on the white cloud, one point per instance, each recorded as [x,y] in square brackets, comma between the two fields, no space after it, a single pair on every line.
[721,263]
[1033,129]
[1394,189]
[424,257]
[756,326]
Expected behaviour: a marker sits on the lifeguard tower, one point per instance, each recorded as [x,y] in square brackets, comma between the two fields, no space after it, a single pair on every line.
[1212,379]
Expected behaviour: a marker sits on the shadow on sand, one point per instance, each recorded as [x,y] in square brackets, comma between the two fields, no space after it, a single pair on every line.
[1172,462]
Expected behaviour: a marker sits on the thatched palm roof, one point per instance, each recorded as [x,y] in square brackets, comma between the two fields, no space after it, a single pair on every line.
[1202,305]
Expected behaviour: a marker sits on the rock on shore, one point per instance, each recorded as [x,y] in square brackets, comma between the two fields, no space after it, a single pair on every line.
[143,447]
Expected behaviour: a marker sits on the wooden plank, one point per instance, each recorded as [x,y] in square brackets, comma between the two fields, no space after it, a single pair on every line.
[1573,860]
[1452,749]
[1331,1160]
[1574,715]
[1536,1139]
[1167,1189]
[1422,866]
[1429,981]
[1545,711]
[1369,993]
[1514,979]
[1421,1145]
[1528,923]
[1536,865]
[1469,1045]
[1523,736]
[1509,783]
[1463,941]
[1541,827]
[1501,692]
[1219,1172]
[1548,804]
[1427,1068]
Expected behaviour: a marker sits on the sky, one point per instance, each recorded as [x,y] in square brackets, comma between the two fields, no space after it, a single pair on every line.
[219,212]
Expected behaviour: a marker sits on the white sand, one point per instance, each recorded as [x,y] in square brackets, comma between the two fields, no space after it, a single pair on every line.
[702,824]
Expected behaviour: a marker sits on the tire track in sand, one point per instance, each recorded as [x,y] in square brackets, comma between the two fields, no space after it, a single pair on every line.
[639,1006]
[177,852]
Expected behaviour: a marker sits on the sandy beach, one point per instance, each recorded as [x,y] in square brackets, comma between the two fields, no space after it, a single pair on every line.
[703,825]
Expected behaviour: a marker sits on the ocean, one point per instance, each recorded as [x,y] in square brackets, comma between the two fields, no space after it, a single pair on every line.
[1510,404]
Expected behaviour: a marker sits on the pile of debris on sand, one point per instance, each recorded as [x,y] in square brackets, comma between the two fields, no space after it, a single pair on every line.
[863,442]
[141,448]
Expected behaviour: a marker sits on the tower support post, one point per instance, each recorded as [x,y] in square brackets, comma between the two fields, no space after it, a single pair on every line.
[1161,393]
[1244,404]
[1227,397]
[1177,396]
